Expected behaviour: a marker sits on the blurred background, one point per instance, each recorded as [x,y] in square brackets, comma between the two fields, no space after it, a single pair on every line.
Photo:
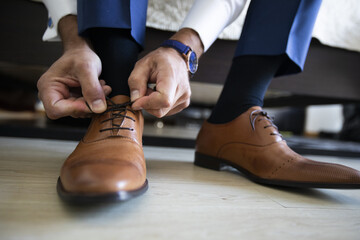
[318,111]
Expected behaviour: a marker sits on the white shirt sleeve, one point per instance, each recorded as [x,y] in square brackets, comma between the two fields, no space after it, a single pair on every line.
[209,17]
[57,9]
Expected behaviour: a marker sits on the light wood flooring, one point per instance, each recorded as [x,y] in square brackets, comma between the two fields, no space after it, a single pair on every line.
[183,202]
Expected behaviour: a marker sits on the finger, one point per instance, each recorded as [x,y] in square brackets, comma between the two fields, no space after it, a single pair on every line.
[182,103]
[102,82]
[178,108]
[138,79]
[91,88]
[106,88]
[164,95]
[159,113]
[169,111]
[155,101]
[74,107]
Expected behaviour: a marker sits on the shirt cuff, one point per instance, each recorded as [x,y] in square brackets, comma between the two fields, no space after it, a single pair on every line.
[209,17]
[57,9]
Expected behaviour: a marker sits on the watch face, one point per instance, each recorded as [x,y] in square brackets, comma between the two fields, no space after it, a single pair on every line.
[193,63]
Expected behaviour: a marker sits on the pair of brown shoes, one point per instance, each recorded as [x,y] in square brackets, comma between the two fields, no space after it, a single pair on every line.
[109,164]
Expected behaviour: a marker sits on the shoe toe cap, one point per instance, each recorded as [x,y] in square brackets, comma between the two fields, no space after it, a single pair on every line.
[100,178]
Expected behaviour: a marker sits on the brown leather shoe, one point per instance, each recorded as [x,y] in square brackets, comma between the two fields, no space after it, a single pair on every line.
[108,163]
[252,144]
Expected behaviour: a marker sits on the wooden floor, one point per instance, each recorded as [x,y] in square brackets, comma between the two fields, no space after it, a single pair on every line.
[183,202]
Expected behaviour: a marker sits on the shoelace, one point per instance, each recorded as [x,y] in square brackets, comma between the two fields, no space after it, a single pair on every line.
[260,113]
[117,111]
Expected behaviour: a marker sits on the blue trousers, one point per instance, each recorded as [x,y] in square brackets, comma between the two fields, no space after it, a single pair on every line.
[272,27]
[124,14]
[275,27]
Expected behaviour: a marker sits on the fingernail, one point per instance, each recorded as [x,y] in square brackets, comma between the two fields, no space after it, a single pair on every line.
[134,95]
[98,106]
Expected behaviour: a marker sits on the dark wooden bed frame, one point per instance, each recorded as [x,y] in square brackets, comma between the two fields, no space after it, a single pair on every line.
[331,75]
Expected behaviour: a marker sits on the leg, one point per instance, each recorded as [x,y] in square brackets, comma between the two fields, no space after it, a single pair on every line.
[239,133]
[116,29]
[248,80]
[108,163]
[118,52]
[274,41]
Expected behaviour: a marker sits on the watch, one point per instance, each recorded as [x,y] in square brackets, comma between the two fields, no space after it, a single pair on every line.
[186,52]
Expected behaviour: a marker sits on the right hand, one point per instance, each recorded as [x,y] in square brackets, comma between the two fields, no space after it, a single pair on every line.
[71,82]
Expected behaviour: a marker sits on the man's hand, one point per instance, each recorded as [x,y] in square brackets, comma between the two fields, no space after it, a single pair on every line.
[72,83]
[167,69]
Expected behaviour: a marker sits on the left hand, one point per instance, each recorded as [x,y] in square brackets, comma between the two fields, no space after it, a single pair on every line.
[167,69]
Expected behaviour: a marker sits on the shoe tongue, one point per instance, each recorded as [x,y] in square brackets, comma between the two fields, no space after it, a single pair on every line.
[102,121]
[254,108]
[119,121]
[120,99]
[271,131]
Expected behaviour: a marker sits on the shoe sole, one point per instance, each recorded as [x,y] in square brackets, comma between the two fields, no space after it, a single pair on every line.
[217,164]
[79,198]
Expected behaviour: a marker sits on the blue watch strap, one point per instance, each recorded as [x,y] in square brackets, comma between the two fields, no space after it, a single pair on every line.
[178,46]
[188,54]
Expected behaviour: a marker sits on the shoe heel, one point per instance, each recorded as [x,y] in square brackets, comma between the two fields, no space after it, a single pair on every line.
[206,161]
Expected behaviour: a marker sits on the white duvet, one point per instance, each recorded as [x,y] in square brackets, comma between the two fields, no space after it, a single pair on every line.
[337,25]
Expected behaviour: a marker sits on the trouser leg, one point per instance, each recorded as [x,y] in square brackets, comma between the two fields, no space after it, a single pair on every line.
[116,30]
[118,53]
[274,41]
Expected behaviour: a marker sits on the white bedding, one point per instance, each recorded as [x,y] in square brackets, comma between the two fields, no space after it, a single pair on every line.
[337,25]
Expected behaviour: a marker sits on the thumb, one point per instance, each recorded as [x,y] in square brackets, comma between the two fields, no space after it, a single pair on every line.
[138,80]
[92,91]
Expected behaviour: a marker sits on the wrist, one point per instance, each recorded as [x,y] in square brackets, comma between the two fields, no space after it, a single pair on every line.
[190,38]
[68,31]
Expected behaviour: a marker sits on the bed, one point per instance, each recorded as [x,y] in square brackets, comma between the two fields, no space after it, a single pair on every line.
[331,71]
